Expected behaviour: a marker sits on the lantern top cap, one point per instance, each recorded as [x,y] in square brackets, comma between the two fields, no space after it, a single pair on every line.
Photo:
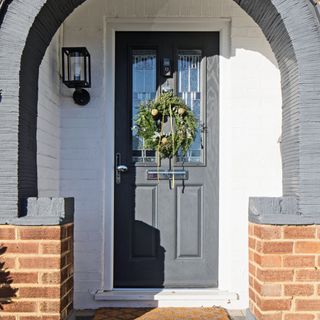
[81,50]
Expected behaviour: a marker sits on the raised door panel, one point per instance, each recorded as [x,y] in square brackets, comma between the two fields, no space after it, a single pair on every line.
[144,235]
[189,221]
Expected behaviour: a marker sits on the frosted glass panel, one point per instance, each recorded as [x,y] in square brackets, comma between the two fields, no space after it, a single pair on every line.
[189,89]
[144,86]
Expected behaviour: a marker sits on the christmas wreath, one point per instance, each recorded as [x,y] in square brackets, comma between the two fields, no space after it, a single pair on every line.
[155,117]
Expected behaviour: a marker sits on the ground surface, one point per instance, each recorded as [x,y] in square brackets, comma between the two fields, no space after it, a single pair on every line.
[89,315]
[167,314]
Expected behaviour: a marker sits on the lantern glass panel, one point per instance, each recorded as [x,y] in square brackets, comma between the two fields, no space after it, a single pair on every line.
[76,67]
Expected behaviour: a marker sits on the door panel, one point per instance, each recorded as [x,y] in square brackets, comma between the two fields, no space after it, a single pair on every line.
[145,212]
[189,221]
[167,237]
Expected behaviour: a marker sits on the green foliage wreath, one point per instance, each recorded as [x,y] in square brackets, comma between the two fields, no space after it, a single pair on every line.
[153,115]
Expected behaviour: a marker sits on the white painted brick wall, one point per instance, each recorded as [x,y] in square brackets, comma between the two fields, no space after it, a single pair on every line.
[48,130]
[250,128]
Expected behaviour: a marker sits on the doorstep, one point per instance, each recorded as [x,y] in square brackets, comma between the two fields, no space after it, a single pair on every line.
[166,297]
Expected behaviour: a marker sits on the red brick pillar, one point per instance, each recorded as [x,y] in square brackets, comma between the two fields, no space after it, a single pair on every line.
[284,272]
[36,272]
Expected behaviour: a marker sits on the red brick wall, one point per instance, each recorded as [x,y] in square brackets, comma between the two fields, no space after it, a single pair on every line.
[284,272]
[36,272]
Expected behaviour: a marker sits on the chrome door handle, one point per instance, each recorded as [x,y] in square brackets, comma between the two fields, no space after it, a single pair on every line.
[122,168]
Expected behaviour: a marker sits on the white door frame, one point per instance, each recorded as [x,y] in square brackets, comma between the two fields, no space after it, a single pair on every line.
[221,25]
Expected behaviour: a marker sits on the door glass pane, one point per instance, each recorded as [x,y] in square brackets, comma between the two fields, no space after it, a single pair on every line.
[189,89]
[144,87]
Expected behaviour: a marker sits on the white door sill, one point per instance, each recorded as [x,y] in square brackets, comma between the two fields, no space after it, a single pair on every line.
[140,298]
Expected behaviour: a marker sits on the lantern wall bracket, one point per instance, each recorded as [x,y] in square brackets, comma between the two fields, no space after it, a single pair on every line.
[81,97]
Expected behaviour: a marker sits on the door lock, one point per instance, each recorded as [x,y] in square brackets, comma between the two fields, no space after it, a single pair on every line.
[166,68]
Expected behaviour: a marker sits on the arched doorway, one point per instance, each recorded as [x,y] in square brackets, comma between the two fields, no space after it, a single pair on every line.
[278,24]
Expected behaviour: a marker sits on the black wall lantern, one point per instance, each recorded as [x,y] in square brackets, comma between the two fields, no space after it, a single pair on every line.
[76,72]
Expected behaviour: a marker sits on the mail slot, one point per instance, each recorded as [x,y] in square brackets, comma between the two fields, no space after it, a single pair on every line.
[167,174]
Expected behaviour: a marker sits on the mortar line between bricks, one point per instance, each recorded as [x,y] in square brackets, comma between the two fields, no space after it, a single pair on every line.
[36,270]
[39,271]
[285,254]
[40,241]
[35,286]
[284,268]
[269,312]
[35,299]
[32,255]
[30,314]
[284,239]
[288,282]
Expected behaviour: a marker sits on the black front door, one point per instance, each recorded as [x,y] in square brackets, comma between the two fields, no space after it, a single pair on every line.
[166,237]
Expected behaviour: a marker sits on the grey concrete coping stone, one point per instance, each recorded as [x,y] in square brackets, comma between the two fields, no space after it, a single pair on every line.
[43,211]
[278,211]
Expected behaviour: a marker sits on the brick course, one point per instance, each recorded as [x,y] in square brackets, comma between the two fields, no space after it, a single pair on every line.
[36,272]
[284,278]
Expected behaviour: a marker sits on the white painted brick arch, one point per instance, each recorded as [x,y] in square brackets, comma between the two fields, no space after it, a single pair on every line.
[288,25]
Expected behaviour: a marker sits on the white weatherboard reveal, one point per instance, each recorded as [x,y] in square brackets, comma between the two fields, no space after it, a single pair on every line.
[75,156]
